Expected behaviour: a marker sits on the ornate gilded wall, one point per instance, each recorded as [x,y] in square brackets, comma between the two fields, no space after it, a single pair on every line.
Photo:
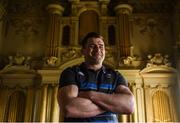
[39,39]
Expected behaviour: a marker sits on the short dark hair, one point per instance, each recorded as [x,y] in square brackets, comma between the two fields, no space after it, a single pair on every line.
[90,35]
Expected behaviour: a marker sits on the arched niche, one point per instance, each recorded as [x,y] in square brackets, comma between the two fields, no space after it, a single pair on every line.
[66,36]
[111,35]
[159,75]
[88,22]
[158,69]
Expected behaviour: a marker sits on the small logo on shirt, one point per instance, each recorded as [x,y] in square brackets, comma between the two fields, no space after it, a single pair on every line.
[108,76]
[81,73]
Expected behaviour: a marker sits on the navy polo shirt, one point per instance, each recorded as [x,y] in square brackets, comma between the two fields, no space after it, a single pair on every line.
[103,80]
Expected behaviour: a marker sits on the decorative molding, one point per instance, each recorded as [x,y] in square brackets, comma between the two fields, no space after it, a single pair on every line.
[69,54]
[51,61]
[153,6]
[20,8]
[158,60]
[19,60]
[123,9]
[26,27]
[152,25]
[55,9]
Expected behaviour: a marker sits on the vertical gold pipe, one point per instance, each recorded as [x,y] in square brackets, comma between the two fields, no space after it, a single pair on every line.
[29,105]
[44,102]
[52,36]
[123,11]
[124,118]
[13,107]
[49,37]
[49,103]
[3,103]
[55,11]
[163,111]
[56,36]
[55,107]
[161,106]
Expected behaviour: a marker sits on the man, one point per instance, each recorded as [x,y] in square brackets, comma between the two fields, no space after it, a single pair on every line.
[91,92]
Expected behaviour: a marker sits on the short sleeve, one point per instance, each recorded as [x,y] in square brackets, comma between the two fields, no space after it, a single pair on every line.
[121,80]
[68,77]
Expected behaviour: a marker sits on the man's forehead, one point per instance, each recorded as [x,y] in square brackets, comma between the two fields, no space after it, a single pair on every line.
[95,40]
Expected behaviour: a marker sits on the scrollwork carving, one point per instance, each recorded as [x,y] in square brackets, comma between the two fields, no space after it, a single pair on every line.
[19,60]
[69,54]
[158,60]
[51,61]
[130,61]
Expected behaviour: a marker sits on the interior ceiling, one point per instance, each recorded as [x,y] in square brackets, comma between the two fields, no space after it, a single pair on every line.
[139,6]
[148,6]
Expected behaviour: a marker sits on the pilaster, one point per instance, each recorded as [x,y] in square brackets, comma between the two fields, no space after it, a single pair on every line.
[123,12]
[43,104]
[54,34]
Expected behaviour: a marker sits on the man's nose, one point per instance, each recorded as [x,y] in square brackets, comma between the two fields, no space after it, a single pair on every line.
[97,48]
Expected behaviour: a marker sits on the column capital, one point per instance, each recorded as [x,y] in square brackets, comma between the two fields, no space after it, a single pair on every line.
[104,1]
[123,9]
[74,1]
[55,9]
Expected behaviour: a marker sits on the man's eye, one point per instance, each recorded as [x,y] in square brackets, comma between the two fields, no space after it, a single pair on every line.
[91,46]
[101,47]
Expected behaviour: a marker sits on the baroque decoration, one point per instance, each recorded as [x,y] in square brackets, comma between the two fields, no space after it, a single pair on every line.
[39,39]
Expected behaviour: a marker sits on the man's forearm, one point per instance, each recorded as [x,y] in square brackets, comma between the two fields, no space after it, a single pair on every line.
[81,108]
[118,103]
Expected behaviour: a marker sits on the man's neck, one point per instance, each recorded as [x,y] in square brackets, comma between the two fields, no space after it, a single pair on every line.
[93,66]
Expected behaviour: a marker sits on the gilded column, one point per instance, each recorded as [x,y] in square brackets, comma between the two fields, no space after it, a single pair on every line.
[29,105]
[124,118]
[140,106]
[74,33]
[49,102]
[123,45]
[43,104]
[103,19]
[103,28]
[55,106]
[55,11]
[3,102]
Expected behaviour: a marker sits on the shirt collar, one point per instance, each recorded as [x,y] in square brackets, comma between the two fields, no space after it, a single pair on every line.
[103,68]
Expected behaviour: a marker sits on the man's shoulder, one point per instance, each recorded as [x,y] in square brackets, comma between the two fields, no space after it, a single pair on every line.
[109,69]
[73,68]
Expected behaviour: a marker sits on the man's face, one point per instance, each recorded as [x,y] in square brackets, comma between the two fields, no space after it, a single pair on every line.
[94,51]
